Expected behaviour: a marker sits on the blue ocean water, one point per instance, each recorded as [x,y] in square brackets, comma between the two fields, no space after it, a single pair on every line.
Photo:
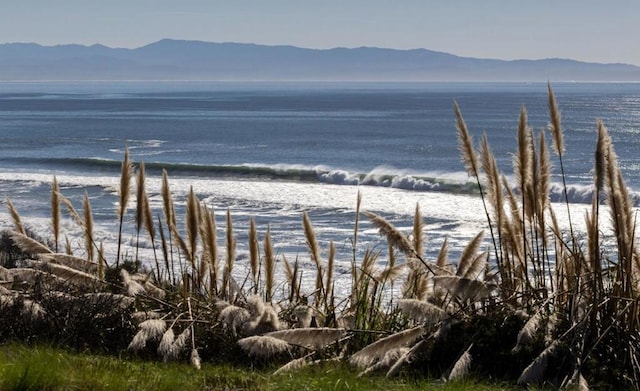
[274,150]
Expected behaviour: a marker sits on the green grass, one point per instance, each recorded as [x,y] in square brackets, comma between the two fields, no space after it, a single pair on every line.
[46,368]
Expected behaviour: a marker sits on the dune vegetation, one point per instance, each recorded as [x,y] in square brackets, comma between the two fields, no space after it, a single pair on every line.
[527,302]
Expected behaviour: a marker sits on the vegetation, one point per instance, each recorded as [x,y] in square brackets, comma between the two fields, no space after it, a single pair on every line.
[539,306]
[47,368]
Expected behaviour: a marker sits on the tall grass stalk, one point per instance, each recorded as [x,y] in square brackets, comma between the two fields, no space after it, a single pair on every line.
[269,266]
[88,227]
[210,243]
[254,254]
[470,159]
[55,212]
[124,192]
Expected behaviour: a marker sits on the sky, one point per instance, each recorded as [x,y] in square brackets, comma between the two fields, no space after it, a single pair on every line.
[586,30]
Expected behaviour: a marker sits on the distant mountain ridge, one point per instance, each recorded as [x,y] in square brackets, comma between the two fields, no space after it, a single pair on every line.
[169,59]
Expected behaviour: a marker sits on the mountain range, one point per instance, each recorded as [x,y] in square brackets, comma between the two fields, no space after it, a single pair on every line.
[169,59]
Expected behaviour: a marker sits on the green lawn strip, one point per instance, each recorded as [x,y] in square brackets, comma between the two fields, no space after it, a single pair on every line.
[46,368]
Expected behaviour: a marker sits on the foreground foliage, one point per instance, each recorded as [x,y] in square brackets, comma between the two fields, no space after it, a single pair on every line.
[539,305]
[45,368]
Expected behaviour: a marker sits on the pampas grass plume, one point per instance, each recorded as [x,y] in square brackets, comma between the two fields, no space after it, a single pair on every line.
[313,337]
[263,346]
[77,263]
[465,142]
[462,366]
[27,244]
[165,343]
[124,191]
[254,252]
[148,330]
[293,365]
[554,122]
[15,216]
[55,211]
[405,358]
[195,359]
[421,311]
[31,276]
[88,227]
[132,287]
[269,265]
[396,238]
[528,331]
[535,371]
[70,275]
[366,356]
[180,343]
[233,317]
[390,358]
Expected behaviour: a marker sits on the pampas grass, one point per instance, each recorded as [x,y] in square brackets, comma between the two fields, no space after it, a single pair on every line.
[293,365]
[28,245]
[469,258]
[233,317]
[314,253]
[195,359]
[132,287]
[303,315]
[404,359]
[269,266]
[17,222]
[389,359]
[315,338]
[535,371]
[292,279]
[71,261]
[192,224]
[554,122]
[179,345]
[365,357]
[31,276]
[461,367]
[421,311]
[165,343]
[262,346]
[528,331]
[464,288]
[88,228]
[149,330]
[69,274]
[590,296]
[124,193]
[418,232]
[465,142]
[210,244]
[143,215]
[254,253]
[140,200]
[32,310]
[396,238]
[55,212]
[5,274]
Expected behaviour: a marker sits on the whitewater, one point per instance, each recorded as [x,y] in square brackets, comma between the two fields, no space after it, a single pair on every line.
[276,150]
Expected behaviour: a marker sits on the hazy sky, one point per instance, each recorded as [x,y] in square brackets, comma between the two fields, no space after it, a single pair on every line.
[588,30]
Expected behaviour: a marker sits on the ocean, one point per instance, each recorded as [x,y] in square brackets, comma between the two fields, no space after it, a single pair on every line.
[276,150]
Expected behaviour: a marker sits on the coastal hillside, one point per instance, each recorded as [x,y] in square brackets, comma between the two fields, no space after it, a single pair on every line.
[196,60]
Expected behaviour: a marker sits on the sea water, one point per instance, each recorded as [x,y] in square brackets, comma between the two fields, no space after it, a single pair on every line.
[276,150]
